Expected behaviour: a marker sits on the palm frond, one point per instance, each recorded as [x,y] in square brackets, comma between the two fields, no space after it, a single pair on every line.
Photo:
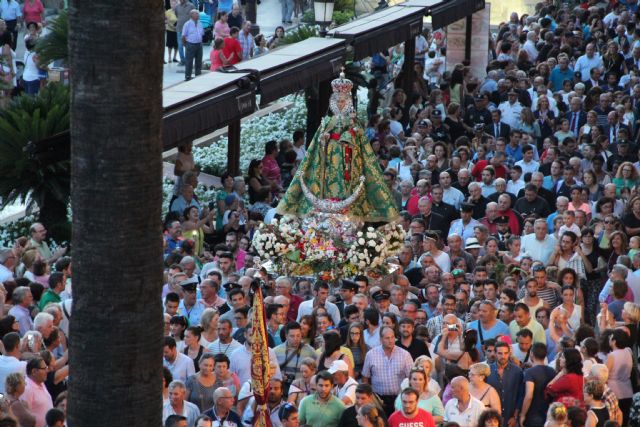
[30,119]
[55,45]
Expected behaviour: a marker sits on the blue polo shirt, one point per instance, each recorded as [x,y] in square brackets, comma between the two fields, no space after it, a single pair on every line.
[558,76]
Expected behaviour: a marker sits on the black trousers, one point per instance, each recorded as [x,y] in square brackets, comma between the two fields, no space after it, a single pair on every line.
[193,51]
[11,27]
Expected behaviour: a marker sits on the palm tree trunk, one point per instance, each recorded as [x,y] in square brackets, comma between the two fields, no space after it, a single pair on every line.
[116,106]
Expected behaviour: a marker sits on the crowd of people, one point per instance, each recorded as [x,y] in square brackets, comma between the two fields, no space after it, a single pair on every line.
[221,23]
[13,16]
[515,299]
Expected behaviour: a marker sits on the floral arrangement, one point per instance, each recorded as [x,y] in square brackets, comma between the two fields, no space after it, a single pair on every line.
[256,131]
[327,246]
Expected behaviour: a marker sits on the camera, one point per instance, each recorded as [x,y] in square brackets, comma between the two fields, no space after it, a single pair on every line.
[479,127]
[452,327]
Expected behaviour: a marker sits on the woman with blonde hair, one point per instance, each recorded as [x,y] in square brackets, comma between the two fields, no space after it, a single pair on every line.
[545,116]
[427,399]
[304,386]
[557,415]
[478,387]
[14,386]
[528,123]
[626,176]
[427,365]
[209,325]
[370,415]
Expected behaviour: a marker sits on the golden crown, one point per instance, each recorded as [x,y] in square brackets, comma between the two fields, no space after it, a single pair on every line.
[342,84]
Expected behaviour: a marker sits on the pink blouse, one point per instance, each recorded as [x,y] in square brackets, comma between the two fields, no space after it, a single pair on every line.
[32,11]
[221,30]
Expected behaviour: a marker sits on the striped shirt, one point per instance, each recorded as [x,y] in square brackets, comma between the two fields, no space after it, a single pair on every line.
[386,373]
[547,294]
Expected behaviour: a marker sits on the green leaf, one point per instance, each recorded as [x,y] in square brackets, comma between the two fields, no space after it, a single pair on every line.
[55,45]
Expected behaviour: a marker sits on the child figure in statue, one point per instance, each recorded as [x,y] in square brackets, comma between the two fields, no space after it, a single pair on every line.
[340,172]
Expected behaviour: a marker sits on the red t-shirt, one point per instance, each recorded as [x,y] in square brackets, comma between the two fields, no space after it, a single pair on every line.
[476,172]
[232,45]
[422,419]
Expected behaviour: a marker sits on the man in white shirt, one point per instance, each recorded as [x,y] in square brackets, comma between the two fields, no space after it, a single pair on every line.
[516,183]
[225,344]
[530,46]
[539,245]
[298,145]
[344,386]
[450,195]
[10,361]
[371,333]
[240,360]
[527,164]
[320,294]
[586,62]
[463,408]
[180,365]
[179,405]
[511,110]
[7,264]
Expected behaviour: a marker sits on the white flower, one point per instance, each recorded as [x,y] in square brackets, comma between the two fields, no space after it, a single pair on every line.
[361,241]
[372,243]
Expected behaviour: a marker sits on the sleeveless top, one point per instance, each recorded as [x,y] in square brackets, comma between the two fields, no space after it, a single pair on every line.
[602,414]
[196,361]
[619,377]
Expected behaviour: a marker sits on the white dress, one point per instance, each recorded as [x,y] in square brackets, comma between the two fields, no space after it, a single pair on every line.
[574,319]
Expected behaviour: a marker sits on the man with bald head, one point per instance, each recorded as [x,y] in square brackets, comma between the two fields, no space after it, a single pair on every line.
[432,220]
[504,209]
[491,213]
[462,184]
[451,195]
[501,188]
[463,408]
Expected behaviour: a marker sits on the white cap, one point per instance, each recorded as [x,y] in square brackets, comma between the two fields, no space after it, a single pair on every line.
[338,366]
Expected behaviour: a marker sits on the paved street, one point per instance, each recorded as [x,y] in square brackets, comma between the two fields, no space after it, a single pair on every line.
[269,17]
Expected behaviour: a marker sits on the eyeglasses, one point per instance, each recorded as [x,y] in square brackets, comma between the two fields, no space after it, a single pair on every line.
[354,333]
[606,221]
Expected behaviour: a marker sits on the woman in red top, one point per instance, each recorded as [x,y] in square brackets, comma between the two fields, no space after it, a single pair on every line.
[218,60]
[569,381]
[33,11]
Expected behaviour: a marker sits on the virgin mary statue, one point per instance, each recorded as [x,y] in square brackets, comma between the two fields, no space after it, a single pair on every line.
[340,172]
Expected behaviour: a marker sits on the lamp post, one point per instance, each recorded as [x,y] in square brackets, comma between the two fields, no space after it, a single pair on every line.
[323,11]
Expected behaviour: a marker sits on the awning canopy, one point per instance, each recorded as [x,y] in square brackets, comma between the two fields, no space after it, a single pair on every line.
[200,106]
[295,67]
[444,13]
[380,30]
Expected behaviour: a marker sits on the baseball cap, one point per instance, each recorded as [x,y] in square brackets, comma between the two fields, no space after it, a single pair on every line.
[338,366]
